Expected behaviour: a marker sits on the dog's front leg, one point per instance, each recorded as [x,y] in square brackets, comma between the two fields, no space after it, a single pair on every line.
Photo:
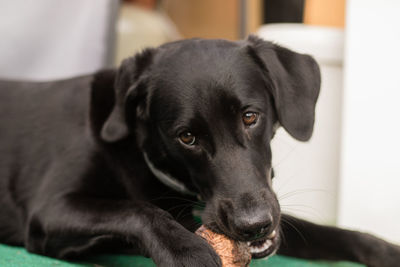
[307,240]
[71,226]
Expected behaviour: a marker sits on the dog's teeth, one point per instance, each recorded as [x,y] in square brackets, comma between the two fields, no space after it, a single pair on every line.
[272,235]
[262,248]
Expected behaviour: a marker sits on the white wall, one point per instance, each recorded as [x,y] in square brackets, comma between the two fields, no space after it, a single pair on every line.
[370,181]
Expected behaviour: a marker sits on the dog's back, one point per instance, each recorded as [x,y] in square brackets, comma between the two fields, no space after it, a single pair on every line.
[38,122]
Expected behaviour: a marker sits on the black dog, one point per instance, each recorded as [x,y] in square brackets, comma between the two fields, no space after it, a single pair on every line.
[112,162]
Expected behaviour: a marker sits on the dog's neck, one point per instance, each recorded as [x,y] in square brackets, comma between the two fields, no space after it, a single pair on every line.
[167,179]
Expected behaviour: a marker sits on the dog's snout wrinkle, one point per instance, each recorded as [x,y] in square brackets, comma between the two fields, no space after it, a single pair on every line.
[225,208]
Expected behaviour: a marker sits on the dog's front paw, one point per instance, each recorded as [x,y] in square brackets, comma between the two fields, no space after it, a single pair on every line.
[389,256]
[379,253]
[190,251]
[199,254]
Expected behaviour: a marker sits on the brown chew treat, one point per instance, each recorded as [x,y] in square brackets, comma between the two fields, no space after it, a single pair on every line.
[232,253]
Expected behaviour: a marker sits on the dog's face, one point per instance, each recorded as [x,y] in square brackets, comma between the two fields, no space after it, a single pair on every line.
[205,111]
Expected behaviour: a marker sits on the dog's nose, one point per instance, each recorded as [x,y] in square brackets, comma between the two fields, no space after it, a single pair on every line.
[254,227]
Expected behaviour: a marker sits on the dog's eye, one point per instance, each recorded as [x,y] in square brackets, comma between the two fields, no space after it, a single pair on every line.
[187,138]
[250,118]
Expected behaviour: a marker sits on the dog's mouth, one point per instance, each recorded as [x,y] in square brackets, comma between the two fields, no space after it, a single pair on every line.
[264,247]
[260,248]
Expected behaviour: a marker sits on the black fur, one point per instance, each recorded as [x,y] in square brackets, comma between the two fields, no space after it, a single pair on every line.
[73,179]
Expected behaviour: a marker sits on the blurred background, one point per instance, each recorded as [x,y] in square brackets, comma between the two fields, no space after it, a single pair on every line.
[348,174]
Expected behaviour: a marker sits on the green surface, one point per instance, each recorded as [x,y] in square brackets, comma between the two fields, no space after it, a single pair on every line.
[19,257]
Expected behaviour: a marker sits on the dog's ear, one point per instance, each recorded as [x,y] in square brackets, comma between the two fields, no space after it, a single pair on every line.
[295,83]
[125,87]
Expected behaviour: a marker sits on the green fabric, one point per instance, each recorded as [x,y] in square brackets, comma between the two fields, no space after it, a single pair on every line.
[19,257]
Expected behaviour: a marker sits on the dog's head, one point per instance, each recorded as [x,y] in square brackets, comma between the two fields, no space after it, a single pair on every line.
[204,112]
